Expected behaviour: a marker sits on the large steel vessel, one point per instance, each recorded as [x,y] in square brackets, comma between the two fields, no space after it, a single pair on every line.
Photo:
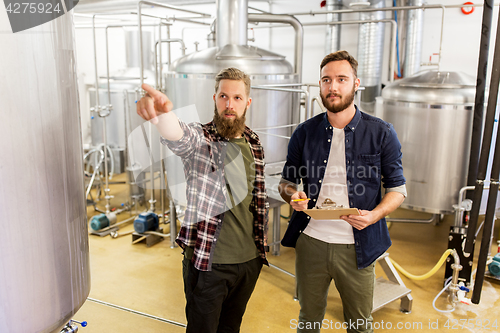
[191,79]
[44,249]
[432,115]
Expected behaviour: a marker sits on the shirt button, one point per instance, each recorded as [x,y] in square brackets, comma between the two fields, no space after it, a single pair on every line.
[324,161]
[320,180]
[348,162]
[330,127]
[346,140]
[353,128]
[308,217]
[329,140]
[314,200]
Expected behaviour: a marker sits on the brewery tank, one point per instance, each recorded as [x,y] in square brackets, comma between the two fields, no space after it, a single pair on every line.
[432,114]
[44,261]
[123,118]
[191,79]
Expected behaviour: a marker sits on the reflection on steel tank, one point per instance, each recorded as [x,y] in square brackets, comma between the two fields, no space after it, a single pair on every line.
[432,115]
[44,249]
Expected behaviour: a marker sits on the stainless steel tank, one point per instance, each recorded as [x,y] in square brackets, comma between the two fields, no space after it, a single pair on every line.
[191,79]
[44,249]
[432,115]
[123,85]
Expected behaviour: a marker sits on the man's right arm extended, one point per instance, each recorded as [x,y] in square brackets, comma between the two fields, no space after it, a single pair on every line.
[155,107]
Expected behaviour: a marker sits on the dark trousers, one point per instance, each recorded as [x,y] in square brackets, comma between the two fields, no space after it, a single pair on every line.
[216,300]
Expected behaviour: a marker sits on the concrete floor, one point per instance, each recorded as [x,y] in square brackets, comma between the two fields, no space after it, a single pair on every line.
[149,280]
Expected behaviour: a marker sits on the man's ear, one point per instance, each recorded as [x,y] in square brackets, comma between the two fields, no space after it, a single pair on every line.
[249,102]
[214,97]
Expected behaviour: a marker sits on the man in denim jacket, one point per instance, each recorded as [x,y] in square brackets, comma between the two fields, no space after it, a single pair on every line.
[342,155]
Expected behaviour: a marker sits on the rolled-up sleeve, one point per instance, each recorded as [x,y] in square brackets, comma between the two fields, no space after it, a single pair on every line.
[391,164]
[185,146]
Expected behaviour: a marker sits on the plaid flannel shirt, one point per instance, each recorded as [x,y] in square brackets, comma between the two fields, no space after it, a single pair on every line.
[203,151]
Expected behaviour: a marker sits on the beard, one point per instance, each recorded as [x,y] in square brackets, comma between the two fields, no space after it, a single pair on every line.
[345,101]
[229,128]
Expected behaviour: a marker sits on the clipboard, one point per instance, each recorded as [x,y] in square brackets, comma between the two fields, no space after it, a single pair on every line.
[330,214]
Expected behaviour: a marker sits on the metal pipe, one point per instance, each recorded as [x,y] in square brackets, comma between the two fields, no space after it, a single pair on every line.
[344,11]
[317,100]
[281,270]
[403,220]
[332,42]
[272,134]
[495,172]
[370,54]
[299,35]
[139,18]
[156,233]
[274,127]
[454,288]
[159,85]
[301,91]
[392,56]
[459,213]
[130,219]
[482,67]
[136,312]
[341,11]
[232,22]
[413,45]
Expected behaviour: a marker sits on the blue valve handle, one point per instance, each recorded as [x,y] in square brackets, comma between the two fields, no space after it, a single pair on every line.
[83,323]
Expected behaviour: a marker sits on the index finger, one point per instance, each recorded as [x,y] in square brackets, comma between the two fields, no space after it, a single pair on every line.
[151,91]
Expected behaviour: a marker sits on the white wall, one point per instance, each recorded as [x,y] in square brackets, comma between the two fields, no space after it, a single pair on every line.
[460,47]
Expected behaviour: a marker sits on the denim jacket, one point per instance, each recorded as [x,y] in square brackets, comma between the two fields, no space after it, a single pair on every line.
[372,154]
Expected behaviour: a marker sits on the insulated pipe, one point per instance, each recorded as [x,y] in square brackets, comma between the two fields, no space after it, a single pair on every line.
[332,42]
[299,35]
[413,46]
[232,22]
[370,54]
[495,175]
[482,67]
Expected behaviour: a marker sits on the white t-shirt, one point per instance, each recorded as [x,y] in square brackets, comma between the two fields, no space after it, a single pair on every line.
[334,187]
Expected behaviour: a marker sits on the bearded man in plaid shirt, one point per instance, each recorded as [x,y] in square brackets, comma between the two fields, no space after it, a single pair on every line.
[226,217]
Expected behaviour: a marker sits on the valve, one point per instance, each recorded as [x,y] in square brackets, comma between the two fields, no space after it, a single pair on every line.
[72,327]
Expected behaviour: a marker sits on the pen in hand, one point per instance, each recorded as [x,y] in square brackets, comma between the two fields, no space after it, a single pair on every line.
[295,200]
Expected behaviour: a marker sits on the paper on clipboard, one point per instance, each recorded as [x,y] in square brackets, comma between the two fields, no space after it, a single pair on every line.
[330,214]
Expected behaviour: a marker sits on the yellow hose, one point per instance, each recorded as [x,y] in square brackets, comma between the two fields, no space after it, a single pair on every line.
[426,275]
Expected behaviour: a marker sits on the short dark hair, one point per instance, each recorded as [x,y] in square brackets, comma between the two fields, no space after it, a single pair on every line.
[338,56]
[232,73]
